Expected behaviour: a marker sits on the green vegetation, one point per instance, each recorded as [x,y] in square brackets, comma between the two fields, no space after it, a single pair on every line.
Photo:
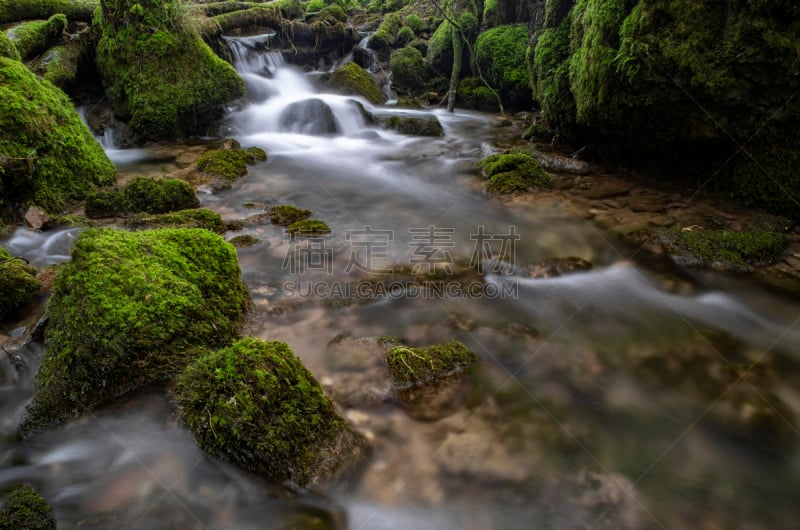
[512,172]
[476,95]
[256,405]
[409,71]
[675,87]
[244,241]
[420,366]
[307,228]
[132,309]
[500,53]
[47,155]
[34,37]
[440,49]
[229,163]
[199,218]
[24,508]
[286,214]
[159,74]
[60,64]
[384,38]
[722,249]
[17,283]
[7,48]
[353,79]
[142,195]
[416,125]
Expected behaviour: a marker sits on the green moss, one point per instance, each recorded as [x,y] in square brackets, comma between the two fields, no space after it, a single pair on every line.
[353,79]
[477,95]
[24,508]
[500,52]
[385,36]
[199,218]
[415,23]
[490,16]
[409,71]
[440,49]
[419,366]
[7,48]
[315,5]
[512,172]
[17,283]
[103,203]
[286,214]
[308,228]
[228,164]
[60,64]
[158,195]
[722,249]
[244,241]
[158,72]
[51,157]
[256,405]
[416,125]
[404,36]
[34,37]
[335,12]
[131,309]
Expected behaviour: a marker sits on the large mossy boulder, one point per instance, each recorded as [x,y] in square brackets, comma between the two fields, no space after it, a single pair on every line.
[703,91]
[254,404]
[500,53]
[514,172]
[24,508]
[159,74]
[7,48]
[352,79]
[132,309]
[33,37]
[47,155]
[17,283]
[142,194]
[409,71]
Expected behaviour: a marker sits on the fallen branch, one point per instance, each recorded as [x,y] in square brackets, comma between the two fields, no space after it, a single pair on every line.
[14,10]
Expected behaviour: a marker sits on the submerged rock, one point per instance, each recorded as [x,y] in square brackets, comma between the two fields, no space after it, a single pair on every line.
[254,404]
[427,380]
[132,309]
[23,507]
[558,267]
[17,283]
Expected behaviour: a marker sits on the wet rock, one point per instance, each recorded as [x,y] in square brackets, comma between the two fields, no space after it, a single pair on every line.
[606,188]
[244,241]
[310,116]
[353,79]
[254,404]
[557,163]
[722,249]
[358,371]
[17,283]
[425,125]
[514,172]
[558,267]
[286,214]
[428,381]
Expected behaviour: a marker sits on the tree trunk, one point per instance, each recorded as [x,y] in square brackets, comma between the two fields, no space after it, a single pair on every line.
[455,74]
[13,10]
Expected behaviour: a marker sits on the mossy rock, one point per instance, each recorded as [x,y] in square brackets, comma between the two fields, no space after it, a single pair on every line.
[60,64]
[254,404]
[724,250]
[158,73]
[308,228]
[7,48]
[409,71]
[17,283]
[416,125]
[198,218]
[34,37]
[420,366]
[500,52]
[24,508]
[142,194]
[47,155]
[353,79]
[286,214]
[477,95]
[227,164]
[514,172]
[132,309]
[244,241]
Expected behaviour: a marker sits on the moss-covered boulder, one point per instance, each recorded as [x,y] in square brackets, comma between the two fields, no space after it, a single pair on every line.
[159,74]
[17,283]
[286,214]
[382,41]
[244,241]
[254,404]
[142,194]
[7,48]
[33,37]
[514,172]
[352,79]
[228,163]
[723,249]
[308,228]
[409,71]
[47,155]
[427,381]
[697,91]
[199,218]
[132,309]
[500,53]
[24,508]
[60,64]
[415,125]
[477,95]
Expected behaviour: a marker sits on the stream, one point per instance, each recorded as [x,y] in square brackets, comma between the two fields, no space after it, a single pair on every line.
[604,399]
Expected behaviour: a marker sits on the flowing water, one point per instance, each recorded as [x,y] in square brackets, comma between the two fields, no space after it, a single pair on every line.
[604,399]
